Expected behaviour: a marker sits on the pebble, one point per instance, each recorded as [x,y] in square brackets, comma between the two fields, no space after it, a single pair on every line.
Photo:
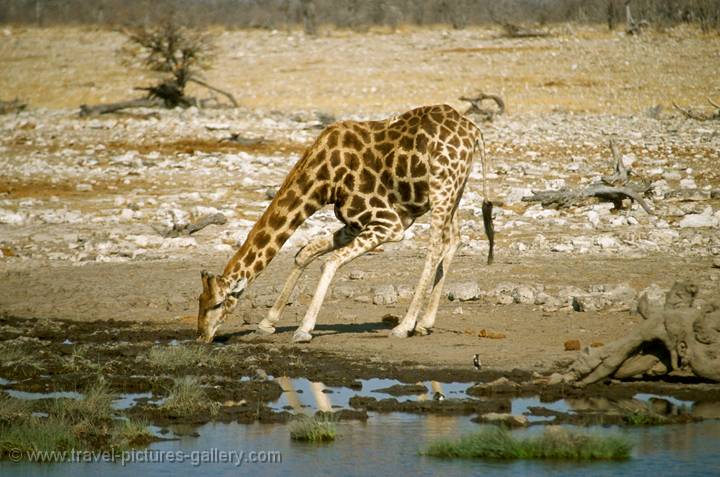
[384,295]
[466,291]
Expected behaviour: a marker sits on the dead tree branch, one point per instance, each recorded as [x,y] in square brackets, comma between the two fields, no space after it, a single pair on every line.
[515,31]
[614,188]
[477,109]
[188,229]
[86,110]
[703,116]
[676,335]
[14,106]
[229,96]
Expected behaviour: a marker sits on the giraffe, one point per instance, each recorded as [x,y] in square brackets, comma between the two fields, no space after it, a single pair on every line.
[380,176]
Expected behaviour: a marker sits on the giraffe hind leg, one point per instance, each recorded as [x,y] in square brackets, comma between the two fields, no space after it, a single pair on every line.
[439,222]
[369,238]
[316,248]
[428,320]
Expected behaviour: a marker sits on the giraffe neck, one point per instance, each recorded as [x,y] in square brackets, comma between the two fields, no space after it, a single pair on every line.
[288,210]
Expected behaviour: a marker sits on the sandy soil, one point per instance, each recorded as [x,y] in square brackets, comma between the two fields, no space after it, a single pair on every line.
[534,339]
[79,197]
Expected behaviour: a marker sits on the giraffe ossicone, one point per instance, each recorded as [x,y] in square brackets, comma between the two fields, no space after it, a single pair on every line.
[380,176]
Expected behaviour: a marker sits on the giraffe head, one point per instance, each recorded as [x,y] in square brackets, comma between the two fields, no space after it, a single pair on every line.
[216,301]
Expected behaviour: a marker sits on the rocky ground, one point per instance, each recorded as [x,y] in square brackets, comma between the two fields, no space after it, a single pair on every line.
[92,210]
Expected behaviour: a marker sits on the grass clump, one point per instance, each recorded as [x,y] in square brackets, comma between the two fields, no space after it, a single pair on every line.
[12,408]
[80,424]
[187,397]
[313,429]
[640,418]
[554,443]
[177,357]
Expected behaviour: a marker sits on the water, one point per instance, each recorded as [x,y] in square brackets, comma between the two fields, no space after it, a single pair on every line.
[389,444]
[304,395]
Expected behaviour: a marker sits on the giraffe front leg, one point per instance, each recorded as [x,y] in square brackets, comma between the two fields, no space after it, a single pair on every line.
[303,258]
[368,239]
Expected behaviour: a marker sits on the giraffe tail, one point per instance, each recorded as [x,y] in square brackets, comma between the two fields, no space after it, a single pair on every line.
[487,204]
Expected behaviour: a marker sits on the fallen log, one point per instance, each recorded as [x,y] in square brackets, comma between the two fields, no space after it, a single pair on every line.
[681,335]
[701,116]
[188,229]
[86,110]
[569,198]
[613,188]
[477,108]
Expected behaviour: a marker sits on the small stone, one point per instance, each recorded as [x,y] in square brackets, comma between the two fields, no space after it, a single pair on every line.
[572,345]
[458,311]
[593,217]
[586,302]
[597,344]
[556,378]
[385,295]
[698,220]
[606,242]
[509,420]
[651,300]
[83,187]
[716,263]
[524,294]
[405,292]
[357,275]
[466,291]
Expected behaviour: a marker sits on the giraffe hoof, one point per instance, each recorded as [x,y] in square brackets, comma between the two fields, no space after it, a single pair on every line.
[301,336]
[399,332]
[421,330]
[263,329]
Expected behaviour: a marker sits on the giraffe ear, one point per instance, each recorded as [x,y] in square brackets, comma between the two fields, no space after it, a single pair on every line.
[207,279]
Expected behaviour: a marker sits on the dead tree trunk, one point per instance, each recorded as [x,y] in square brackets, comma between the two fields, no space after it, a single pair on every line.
[678,335]
[477,108]
[614,188]
[86,110]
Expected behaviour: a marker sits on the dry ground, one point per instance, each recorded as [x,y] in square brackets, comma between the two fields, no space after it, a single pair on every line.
[580,69]
[586,71]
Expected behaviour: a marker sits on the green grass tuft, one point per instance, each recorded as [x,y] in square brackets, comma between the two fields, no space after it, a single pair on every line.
[80,424]
[312,429]
[94,408]
[639,418]
[187,397]
[188,356]
[12,408]
[555,443]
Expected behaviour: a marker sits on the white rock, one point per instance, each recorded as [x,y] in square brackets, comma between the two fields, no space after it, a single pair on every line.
[11,218]
[223,247]
[84,187]
[688,183]
[516,194]
[126,214]
[524,294]
[606,242]
[385,295]
[464,291]
[179,242]
[562,248]
[698,220]
[593,217]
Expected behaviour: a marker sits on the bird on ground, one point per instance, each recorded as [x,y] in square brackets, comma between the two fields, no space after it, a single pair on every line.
[476,362]
[438,396]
